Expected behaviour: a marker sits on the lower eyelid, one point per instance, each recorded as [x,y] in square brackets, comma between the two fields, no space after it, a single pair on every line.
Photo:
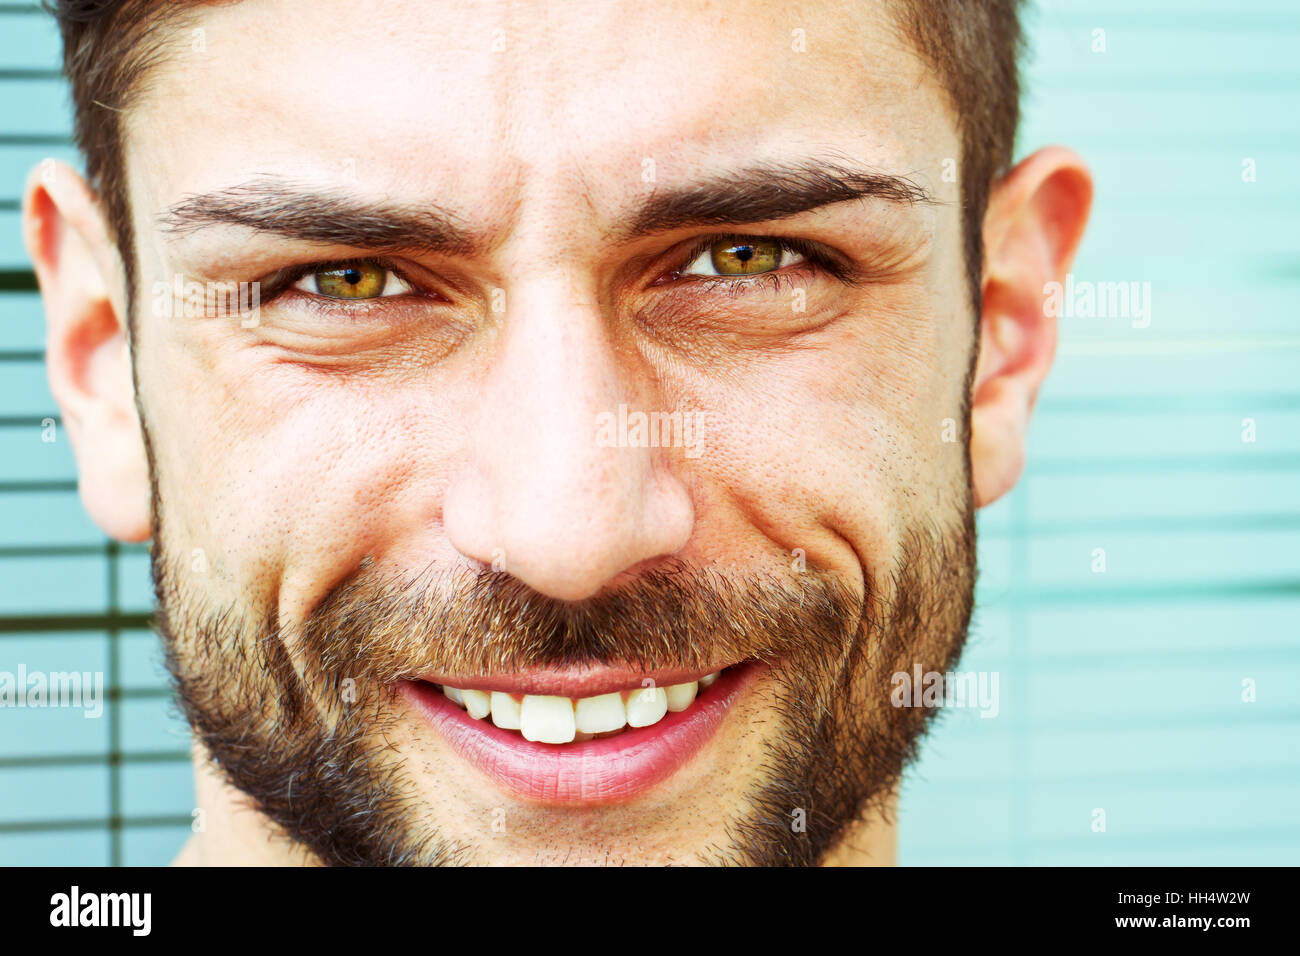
[322,311]
[776,281]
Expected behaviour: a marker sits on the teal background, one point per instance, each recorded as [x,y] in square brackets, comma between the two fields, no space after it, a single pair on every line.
[1120,691]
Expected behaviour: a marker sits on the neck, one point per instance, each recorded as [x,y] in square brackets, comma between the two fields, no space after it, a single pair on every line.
[232,832]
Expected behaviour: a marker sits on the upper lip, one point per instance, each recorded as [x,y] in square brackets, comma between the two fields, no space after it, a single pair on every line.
[572,682]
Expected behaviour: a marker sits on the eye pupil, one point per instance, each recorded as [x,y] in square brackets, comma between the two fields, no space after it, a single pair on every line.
[352,276]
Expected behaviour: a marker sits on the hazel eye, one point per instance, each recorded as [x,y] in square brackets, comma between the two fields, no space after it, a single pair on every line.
[353,281]
[742,257]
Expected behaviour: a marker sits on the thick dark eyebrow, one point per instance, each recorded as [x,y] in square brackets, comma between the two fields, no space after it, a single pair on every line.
[769,191]
[308,214]
[755,193]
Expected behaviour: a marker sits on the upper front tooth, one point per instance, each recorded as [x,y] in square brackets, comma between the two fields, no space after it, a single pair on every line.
[558,720]
[477,702]
[680,696]
[598,715]
[505,711]
[646,706]
[708,679]
[547,720]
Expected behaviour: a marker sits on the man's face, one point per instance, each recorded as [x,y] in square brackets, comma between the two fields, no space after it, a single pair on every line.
[437,477]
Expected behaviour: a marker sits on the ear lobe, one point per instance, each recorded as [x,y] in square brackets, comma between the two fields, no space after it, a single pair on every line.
[1035,221]
[86,352]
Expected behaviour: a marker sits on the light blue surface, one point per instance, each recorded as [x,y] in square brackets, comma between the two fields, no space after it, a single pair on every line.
[1122,691]
[1119,691]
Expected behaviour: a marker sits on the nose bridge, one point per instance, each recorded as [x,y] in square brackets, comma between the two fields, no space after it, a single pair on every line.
[544,498]
[556,371]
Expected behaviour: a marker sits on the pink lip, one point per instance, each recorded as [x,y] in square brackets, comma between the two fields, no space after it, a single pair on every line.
[592,773]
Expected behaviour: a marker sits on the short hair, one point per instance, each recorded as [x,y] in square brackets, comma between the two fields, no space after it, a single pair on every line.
[110,48]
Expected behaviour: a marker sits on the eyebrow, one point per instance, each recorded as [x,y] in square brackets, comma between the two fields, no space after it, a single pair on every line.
[756,193]
[306,213]
[770,191]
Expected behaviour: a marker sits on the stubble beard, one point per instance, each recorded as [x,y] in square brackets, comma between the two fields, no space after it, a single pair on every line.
[298,717]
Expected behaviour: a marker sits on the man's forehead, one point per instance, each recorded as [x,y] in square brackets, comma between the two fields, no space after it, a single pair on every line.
[498,104]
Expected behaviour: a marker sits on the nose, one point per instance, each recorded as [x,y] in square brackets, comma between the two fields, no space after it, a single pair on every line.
[543,496]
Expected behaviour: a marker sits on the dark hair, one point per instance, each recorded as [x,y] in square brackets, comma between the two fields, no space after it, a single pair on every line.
[974,47]
[111,46]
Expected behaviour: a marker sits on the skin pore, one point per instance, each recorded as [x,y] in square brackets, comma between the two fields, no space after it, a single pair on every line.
[359,489]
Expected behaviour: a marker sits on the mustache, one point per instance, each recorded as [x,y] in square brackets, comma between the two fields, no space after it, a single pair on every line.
[381,628]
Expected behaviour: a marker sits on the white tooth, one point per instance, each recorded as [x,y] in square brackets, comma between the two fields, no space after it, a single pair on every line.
[505,711]
[707,680]
[597,715]
[477,702]
[453,694]
[646,706]
[680,696]
[547,720]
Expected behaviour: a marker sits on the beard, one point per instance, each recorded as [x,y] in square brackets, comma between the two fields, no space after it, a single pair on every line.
[299,717]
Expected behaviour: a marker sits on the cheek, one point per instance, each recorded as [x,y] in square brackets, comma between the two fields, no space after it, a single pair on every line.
[288,479]
[810,451]
[838,448]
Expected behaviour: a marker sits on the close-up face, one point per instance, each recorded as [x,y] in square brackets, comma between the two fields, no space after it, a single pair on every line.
[602,429]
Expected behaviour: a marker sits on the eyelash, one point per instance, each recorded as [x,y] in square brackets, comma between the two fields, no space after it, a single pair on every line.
[815,259]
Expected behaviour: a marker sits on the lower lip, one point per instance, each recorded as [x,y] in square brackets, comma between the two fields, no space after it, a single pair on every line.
[595,772]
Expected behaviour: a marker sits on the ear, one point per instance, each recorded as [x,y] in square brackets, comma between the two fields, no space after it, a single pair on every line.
[87,355]
[1035,219]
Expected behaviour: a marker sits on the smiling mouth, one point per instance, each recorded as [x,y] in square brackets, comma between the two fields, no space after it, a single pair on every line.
[587,738]
[552,719]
